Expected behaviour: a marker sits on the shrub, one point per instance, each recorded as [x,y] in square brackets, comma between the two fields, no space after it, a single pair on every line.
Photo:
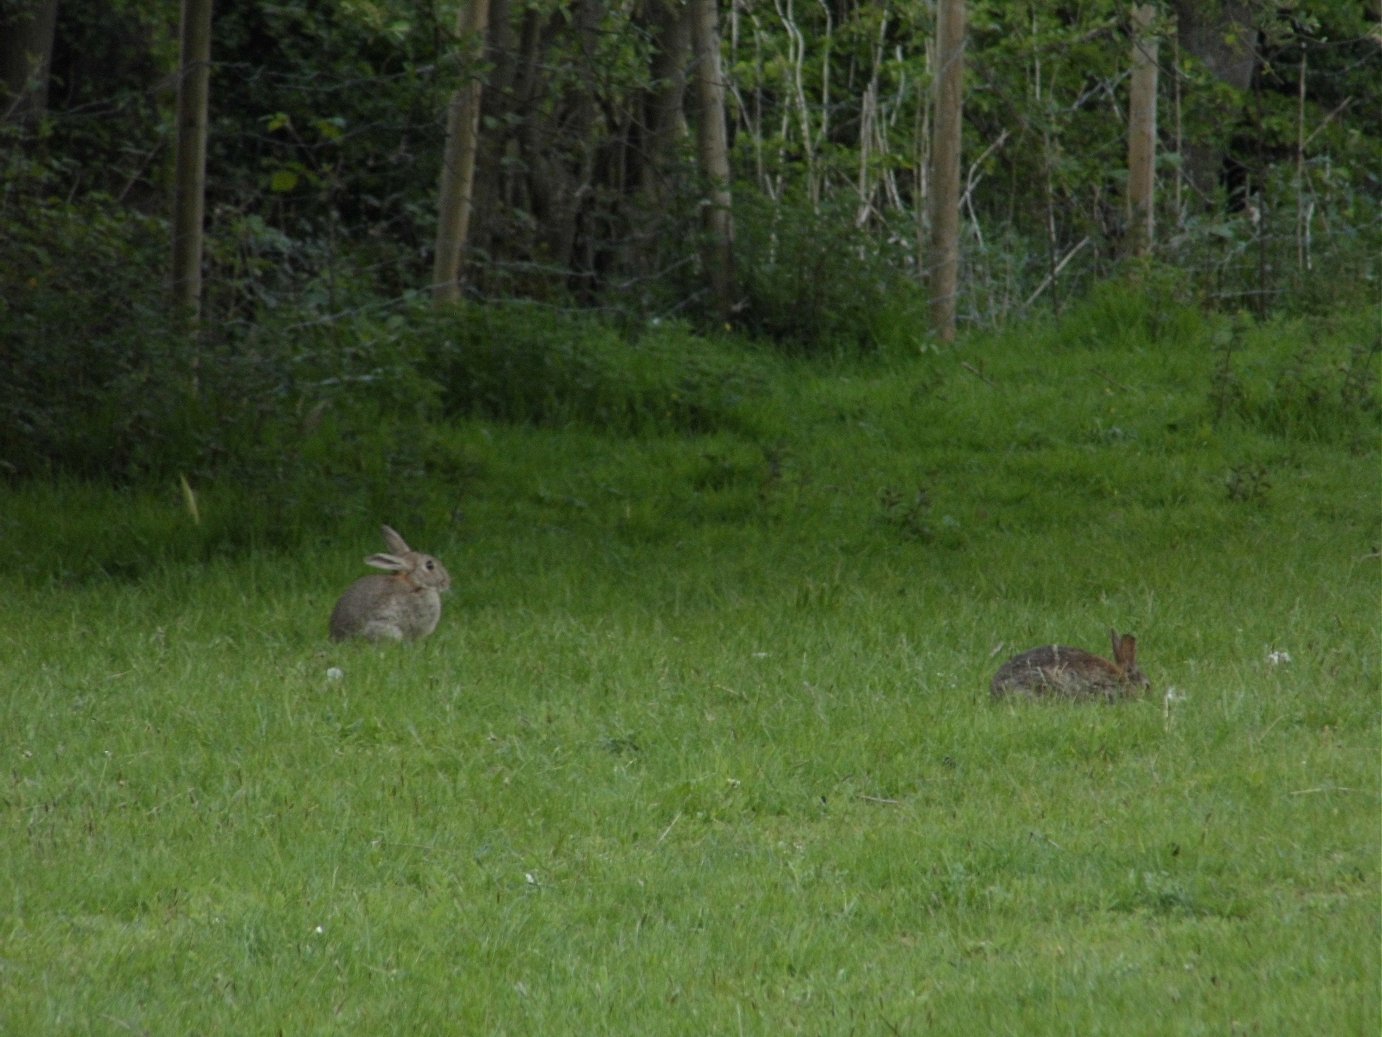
[816,283]
[524,364]
[102,382]
[1323,387]
[97,380]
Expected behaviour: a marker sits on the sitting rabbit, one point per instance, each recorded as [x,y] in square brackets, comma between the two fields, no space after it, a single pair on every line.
[402,606]
[1073,673]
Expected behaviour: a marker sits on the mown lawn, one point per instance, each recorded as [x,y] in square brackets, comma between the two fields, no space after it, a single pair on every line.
[703,743]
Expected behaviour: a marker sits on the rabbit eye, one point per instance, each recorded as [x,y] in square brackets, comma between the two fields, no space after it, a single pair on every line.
[430,565]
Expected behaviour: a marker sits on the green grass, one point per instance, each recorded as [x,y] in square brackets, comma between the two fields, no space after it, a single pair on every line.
[703,743]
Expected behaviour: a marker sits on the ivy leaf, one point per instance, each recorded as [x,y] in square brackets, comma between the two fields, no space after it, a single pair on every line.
[283,181]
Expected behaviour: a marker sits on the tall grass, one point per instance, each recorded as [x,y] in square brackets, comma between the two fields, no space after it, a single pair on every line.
[703,743]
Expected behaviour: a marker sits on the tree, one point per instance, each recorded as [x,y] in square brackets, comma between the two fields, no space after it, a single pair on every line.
[26,50]
[712,148]
[194,74]
[663,115]
[945,166]
[1222,35]
[458,162]
[1142,132]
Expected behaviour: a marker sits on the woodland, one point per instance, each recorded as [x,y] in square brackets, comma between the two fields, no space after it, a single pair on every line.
[809,219]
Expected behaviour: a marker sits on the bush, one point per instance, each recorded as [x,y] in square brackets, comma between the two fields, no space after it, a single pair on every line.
[524,364]
[98,382]
[101,381]
[816,283]
[1324,389]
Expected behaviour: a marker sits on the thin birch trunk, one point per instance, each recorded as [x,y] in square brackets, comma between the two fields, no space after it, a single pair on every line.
[712,146]
[189,178]
[1142,133]
[945,167]
[456,193]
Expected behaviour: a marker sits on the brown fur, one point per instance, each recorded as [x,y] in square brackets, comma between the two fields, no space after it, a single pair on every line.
[1059,672]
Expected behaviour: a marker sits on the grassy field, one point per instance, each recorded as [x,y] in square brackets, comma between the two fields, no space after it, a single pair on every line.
[703,743]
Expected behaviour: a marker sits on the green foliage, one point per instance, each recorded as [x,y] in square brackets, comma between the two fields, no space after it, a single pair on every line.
[295,399]
[815,282]
[1148,303]
[327,127]
[1056,169]
[102,382]
[1248,483]
[1301,379]
[800,74]
[527,364]
[109,123]
[98,379]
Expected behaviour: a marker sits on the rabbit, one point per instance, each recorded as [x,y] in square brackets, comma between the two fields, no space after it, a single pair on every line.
[1062,672]
[402,606]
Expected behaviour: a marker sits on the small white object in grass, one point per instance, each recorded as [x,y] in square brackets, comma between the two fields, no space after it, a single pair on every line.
[528,877]
[1276,658]
[334,673]
[319,930]
[1172,696]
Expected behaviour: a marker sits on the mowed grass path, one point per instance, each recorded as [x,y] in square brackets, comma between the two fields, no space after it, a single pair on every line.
[703,743]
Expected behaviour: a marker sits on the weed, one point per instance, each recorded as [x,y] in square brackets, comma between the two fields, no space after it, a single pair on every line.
[1248,483]
[1298,382]
[817,284]
[1226,394]
[908,513]
[1358,385]
[520,363]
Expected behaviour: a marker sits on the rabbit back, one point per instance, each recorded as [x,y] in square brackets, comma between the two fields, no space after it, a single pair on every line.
[1056,671]
[385,608]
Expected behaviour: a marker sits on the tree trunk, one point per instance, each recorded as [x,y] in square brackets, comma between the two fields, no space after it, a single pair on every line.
[571,180]
[664,117]
[194,76]
[1142,133]
[458,161]
[712,146]
[945,166]
[1222,35]
[652,147]
[26,49]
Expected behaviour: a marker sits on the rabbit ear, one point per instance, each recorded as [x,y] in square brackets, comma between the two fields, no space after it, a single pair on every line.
[389,563]
[396,543]
[1125,651]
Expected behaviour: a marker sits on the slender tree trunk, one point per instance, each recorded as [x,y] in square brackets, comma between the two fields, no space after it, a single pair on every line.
[653,154]
[664,113]
[945,166]
[1142,133]
[458,162]
[189,192]
[567,233]
[26,49]
[490,181]
[712,145]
